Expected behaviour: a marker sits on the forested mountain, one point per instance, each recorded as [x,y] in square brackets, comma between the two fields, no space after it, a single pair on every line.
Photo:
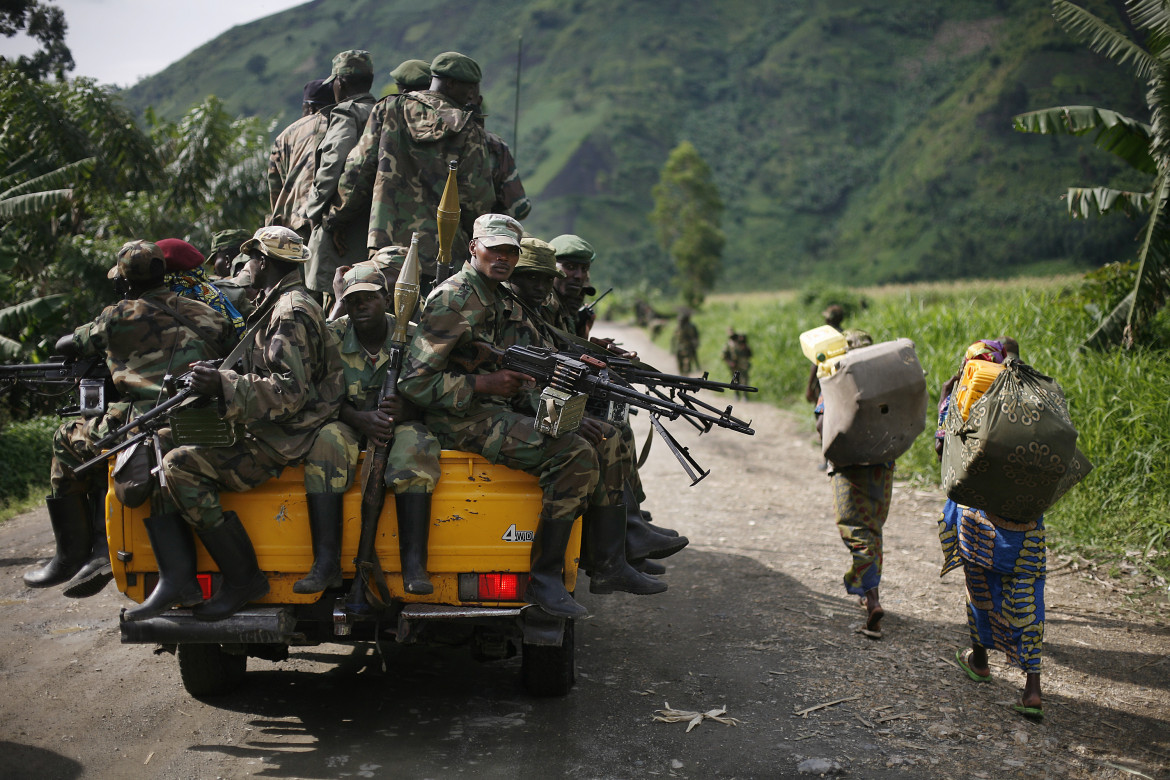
[852,140]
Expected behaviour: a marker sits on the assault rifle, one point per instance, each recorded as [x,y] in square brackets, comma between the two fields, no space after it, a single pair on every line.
[576,383]
[90,375]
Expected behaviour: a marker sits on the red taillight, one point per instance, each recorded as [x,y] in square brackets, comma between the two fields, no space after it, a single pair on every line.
[498,586]
[204,584]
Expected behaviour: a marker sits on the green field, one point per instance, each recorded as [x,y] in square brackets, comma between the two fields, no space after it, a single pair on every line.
[1120,401]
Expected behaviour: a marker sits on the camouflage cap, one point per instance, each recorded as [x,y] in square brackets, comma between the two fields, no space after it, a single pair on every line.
[363,277]
[389,258]
[138,261]
[228,238]
[354,62]
[279,243]
[497,230]
[453,65]
[538,257]
[414,74]
[573,248]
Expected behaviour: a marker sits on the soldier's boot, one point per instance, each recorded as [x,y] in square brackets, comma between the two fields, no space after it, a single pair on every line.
[644,542]
[605,540]
[649,518]
[97,572]
[414,524]
[634,514]
[73,533]
[325,529]
[546,578]
[231,549]
[174,550]
[647,566]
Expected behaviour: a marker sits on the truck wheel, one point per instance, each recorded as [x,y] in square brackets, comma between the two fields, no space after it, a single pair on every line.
[207,670]
[550,671]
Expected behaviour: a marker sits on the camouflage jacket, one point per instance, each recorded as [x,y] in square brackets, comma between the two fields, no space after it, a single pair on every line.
[464,309]
[401,159]
[560,315]
[510,196]
[143,343]
[291,167]
[364,373]
[737,356]
[346,123]
[291,383]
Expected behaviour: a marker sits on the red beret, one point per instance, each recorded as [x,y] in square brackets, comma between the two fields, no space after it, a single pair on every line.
[180,255]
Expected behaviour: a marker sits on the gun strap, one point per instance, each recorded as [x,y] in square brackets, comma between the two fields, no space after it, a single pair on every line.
[377,590]
[646,447]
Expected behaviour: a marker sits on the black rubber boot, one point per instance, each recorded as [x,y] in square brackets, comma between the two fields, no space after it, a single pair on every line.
[546,579]
[414,524]
[325,528]
[97,571]
[605,538]
[646,566]
[232,551]
[174,550]
[643,542]
[649,518]
[74,534]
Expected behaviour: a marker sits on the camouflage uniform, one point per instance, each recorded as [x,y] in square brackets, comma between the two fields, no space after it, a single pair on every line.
[399,168]
[685,344]
[510,196]
[560,315]
[412,464]
[291,167]
[737,356]
[466,309]
[142,344]
[346,123]
[291,386]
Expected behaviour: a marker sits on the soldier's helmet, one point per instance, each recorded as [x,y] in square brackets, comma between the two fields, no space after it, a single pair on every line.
[138,261]
[279,243]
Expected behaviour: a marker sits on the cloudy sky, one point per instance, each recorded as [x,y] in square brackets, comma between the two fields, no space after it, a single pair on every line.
[120,41]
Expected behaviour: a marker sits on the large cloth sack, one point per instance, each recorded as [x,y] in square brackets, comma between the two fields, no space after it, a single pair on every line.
[875,404]
[1016,452]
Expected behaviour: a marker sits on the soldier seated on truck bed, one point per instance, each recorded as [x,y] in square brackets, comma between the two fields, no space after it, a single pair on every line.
[143,340]
[412,468]
[288,387]
[473,410]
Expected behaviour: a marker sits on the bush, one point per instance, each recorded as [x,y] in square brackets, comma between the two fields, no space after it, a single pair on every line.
[26,453]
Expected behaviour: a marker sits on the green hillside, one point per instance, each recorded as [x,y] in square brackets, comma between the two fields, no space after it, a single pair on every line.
[866,140]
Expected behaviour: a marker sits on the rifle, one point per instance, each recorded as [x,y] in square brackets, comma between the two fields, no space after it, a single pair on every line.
[406,293]
[576,383]
[448,220]
[589,306]
[90,375]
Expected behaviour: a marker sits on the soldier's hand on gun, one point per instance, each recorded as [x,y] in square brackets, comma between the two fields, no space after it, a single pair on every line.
[612,346]
[376,425]
[592,431]
[205,380]
[504,382]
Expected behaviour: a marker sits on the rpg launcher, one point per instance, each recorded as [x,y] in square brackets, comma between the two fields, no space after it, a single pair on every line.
[576,384]
[90,375]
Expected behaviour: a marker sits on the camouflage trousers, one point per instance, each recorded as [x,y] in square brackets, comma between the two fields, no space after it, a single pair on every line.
[196,475]
[412,464]
[571,473]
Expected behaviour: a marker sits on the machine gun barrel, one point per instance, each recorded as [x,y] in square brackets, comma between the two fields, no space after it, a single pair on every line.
[56,370]
[145,418]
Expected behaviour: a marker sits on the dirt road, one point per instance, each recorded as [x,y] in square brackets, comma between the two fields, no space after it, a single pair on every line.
[755,621]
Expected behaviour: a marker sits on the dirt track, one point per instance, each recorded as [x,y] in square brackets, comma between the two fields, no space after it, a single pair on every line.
[756,620]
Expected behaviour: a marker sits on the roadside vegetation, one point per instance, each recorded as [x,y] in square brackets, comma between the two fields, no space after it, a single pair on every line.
[1119,400]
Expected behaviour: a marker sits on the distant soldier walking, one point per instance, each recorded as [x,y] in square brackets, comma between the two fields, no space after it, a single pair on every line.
[737,356]
[685,343]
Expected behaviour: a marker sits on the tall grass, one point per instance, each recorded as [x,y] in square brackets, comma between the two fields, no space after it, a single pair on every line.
[1120,401]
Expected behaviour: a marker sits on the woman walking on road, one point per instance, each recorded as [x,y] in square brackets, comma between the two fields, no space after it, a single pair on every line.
[1004,565]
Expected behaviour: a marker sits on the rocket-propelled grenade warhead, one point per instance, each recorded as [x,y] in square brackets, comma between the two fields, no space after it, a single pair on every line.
[448,217]
[406,291]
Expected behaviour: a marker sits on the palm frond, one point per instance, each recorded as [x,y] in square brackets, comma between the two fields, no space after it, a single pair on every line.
[1102,38]
[1084,202]
[33,203]
[1153,16]
[10,349]
[65,175]
[16,317]
[1117,133]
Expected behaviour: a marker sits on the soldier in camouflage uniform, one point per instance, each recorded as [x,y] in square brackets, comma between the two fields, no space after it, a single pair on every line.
[142,340]
[395,175]
[225,248]
[412,76]
[471,407]
[685,343]
[737,356]
[292,164]
[563,309]
[290,385]
[365,334]
[351,79]
[510,196]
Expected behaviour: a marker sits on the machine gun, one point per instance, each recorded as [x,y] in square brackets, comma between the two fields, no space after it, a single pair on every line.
[575,383]
[90,375]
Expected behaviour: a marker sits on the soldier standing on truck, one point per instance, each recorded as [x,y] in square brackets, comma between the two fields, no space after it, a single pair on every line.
[472,411]
[412,467]
[143,337]
[293,160]
[290,385]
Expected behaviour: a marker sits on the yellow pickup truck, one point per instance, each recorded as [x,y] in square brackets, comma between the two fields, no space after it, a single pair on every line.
[483,519]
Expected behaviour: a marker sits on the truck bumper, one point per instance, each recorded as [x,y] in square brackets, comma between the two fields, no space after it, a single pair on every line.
[261,625]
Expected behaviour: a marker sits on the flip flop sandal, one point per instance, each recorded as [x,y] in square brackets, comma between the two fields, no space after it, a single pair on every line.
[873,621]
[961,657]
[1031,713]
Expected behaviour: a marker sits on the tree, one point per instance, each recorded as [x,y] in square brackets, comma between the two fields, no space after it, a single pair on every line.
[46,24]
[1146,147]
[686,217]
